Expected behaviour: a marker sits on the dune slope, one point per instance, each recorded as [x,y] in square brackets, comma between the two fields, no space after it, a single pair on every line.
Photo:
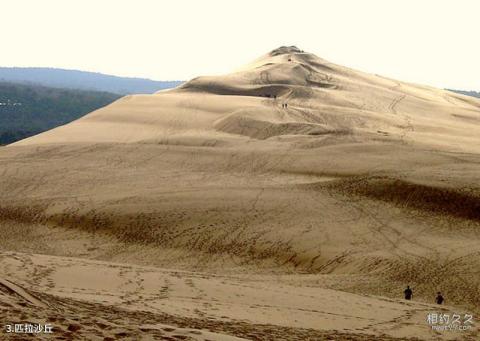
[291,165]
[323,100]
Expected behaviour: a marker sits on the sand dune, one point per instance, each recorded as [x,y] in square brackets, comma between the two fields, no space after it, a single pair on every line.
[291,199]
[322,99]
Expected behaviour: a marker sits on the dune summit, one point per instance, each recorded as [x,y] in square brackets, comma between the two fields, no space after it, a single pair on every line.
[323,100]
[292,199]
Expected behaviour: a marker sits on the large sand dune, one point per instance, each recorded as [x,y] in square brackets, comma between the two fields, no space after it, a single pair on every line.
[291,186]
[324,101]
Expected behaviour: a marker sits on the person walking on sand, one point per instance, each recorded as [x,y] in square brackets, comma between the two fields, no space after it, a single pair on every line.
[439,299]
[408,293]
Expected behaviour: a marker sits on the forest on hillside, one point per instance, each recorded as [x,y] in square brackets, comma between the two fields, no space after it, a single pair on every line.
[27,110]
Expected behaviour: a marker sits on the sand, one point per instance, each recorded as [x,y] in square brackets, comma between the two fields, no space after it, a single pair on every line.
[212,211]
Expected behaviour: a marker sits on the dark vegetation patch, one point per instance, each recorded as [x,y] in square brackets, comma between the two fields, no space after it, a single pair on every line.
[27,110]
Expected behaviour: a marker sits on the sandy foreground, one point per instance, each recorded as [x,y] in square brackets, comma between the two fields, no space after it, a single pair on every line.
[293,199]
[94,299]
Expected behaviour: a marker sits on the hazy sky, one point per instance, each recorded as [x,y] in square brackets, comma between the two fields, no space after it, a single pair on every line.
[429,42]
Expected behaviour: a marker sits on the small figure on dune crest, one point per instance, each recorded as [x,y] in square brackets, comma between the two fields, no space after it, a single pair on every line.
[439,299]
[408,293]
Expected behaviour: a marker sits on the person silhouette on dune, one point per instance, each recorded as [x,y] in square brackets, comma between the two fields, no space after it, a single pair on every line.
[439,299]
[408,293]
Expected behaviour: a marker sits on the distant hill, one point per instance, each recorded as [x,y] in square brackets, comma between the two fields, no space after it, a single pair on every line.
[27,110]
[74,79]
[468,93]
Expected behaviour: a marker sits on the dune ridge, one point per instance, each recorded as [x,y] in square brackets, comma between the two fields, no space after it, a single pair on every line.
[321,98]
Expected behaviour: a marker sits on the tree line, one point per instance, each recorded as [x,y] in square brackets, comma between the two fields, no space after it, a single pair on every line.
[27,110]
